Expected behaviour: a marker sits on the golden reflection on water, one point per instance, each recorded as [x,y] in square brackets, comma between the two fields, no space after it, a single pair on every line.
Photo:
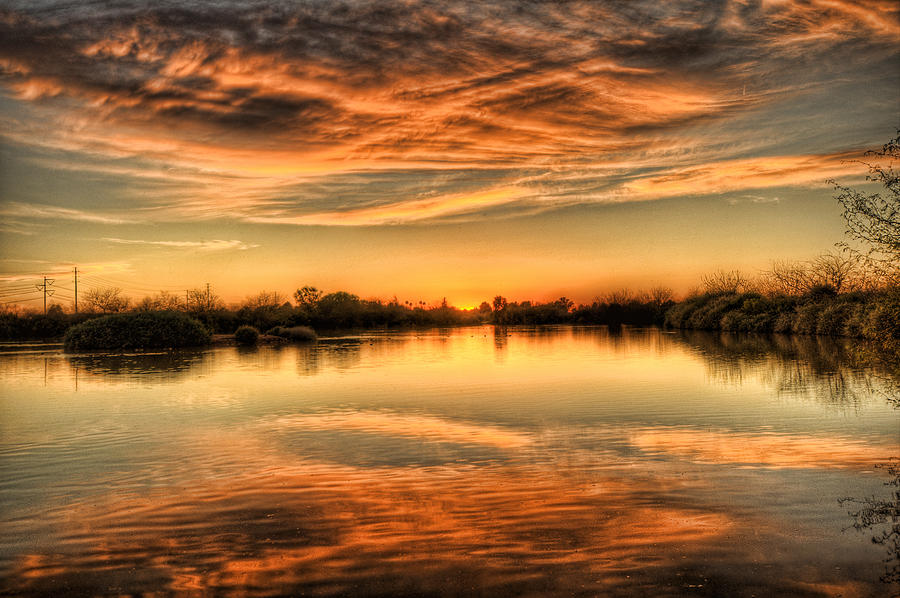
[491,462]
[416,426]
[763,450]
[326,529]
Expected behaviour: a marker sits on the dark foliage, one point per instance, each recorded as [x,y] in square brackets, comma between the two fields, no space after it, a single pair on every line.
[874,315]
[51,325]
[145,330]
[246,335]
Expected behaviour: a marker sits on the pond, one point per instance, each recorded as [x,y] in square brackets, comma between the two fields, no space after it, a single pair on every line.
[560,461]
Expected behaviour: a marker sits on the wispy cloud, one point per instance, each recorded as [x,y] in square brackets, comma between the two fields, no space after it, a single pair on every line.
[57,268]
[402,212]
[211,245]
[40,211]
[735,175]
[16,228]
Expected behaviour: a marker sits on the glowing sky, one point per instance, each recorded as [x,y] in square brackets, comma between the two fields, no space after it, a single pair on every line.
[431,149]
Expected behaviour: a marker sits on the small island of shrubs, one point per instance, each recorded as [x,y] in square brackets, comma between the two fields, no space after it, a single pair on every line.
[165,330]
[246,336]
[139,330]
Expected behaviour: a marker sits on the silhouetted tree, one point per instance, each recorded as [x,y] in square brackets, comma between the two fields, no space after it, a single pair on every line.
[661,295]
[841,273]
[161,302]
[307,297]
[108,300]
[874,218]
[722,281]
[264,300]
[203,300]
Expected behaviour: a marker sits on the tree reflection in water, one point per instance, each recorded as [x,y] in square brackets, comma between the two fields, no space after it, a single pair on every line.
[874,513]
[842,372]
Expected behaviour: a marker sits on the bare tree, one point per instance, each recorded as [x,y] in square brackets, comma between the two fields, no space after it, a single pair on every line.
[722,281]
[264,300]
[839,272]
[160,302]
[617,297]
[843,273]
[874,218]
[661,295]
[108,300]
[203,300]
[786,278]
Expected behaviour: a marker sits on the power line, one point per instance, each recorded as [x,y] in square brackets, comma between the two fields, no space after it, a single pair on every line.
[19,301]
[130,289]
[29,289]
[43,288]
[97,278]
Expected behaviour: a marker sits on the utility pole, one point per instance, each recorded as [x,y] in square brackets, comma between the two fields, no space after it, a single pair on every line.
[43,288]
[187,306]
[76,289]
[207,297]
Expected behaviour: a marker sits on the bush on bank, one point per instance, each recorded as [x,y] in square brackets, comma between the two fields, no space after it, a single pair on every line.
[139,330]
[873,315]
[246,335]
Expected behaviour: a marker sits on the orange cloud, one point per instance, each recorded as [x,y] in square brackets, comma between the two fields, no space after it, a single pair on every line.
[407,211]
[745,174]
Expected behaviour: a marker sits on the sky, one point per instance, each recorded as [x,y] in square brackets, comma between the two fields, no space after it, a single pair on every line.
[430,149]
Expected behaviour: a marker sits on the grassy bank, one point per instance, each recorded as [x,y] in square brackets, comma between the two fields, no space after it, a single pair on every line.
[874,315]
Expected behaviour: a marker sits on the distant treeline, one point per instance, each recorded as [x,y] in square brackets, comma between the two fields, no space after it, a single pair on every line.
[269,311]
[725,303]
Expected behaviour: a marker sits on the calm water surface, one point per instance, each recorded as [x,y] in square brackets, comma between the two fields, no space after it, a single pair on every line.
[465,462]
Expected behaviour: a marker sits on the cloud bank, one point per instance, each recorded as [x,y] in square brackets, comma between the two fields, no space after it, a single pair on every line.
[354,112]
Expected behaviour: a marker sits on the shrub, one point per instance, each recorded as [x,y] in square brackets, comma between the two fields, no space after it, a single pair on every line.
[734,321]
[146,330]
[246,335]
[680,313]
[882,323]
[807,318]
[709,316]
[855,320]
[764,322]
[833,318]
[784,322]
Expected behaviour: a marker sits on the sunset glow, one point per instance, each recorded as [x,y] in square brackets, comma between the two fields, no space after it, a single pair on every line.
[432,150]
